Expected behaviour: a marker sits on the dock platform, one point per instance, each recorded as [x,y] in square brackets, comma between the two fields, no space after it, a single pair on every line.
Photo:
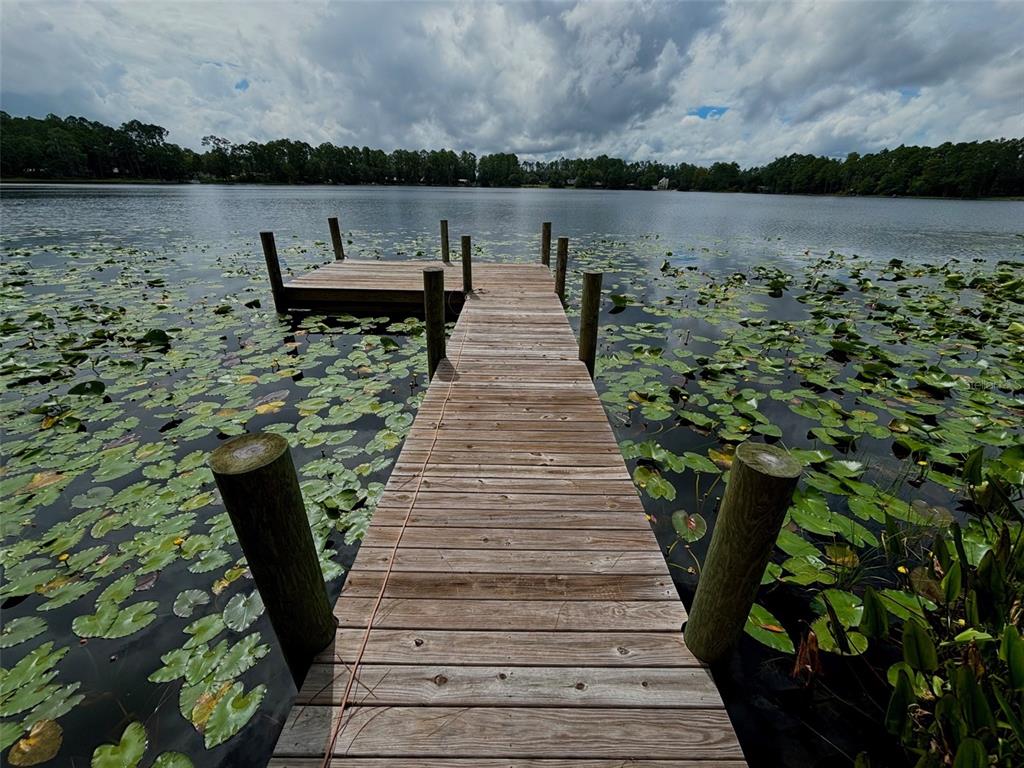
[509,606]
[377,287]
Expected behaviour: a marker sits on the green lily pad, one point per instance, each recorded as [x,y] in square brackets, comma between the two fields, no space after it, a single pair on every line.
[127,753]
[242,610]
[765,628]
[21,629]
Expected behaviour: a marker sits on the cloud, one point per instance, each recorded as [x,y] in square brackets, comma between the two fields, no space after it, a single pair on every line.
[699,82]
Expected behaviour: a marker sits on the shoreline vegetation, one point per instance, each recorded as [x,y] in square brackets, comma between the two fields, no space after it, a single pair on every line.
[74,150]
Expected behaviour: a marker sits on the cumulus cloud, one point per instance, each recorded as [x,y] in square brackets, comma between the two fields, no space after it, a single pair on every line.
[696,81]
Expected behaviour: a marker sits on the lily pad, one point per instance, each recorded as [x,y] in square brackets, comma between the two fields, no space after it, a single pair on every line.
[127,753]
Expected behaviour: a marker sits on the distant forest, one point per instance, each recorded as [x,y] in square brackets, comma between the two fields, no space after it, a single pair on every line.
[78,149]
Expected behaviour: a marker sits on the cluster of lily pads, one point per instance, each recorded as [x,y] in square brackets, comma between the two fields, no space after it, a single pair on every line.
[122,369]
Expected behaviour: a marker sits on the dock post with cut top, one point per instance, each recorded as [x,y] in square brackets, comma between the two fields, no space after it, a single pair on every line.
[274,270]
[445,254]
[760,490]
[545,243]
[590,306]
[336,241]
[433,313]
[257,481]
[467,264]
[561,264]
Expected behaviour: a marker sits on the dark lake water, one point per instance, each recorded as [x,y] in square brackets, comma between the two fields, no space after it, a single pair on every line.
[110,262]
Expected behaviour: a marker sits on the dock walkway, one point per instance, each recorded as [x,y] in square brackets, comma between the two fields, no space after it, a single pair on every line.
[522,613]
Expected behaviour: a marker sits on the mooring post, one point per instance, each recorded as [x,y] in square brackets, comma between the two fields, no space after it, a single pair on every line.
[589,308]
[336,241]
[433,312]
[545,243]
[257,481]
[759,492]
[467,265]
[445,255]
[561,262]
[274,269]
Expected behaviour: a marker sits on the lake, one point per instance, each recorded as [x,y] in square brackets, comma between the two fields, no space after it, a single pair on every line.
[137,336]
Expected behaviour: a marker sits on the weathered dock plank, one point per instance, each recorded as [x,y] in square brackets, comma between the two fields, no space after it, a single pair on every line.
[510,605]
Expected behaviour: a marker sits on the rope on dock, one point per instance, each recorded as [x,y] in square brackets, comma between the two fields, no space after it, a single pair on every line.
[337,726]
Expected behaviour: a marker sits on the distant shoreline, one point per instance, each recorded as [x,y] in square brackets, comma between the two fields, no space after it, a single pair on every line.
[226,183]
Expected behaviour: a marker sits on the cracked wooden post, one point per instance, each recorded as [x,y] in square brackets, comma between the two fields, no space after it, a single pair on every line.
[590,306]
[759,492]
[467,265]
[433,313]
[274,270]
[336,241]
[561,263]
[545,243]
[445,254]
[257,481]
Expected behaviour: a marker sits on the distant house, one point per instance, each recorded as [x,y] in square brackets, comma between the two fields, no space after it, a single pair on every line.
[663,184]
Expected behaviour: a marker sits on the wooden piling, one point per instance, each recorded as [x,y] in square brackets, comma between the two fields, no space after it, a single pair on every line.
[561,263]
[433,312]
[336,241]
[467,265]
[759,492]
[445,254]
[274,269]
[545,243]
[589,308]
[260,490]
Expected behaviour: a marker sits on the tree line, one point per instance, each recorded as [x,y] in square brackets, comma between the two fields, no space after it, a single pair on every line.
[76,148]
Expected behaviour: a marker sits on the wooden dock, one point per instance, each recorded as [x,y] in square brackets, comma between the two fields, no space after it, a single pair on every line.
[509,606]
[376,287]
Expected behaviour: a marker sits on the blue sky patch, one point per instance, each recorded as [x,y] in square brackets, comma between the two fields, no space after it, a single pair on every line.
[706,111]
[242,85]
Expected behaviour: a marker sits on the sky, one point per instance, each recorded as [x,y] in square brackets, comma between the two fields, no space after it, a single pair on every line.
[697,82]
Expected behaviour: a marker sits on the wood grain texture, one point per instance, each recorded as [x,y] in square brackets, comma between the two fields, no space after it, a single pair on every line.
[565,732]
[572,541]
[455,685]
[473,647]
[528,618]
[363,582]
[507,614]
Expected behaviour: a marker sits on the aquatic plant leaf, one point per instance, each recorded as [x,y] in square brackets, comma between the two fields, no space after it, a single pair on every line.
[242,610]
[131,619]
[39,745]
[689,528]
[855,642]
[765,628]
[203,630]
[10,732]
[232,711]
[93,387]
[904,605]
[20,629]
[127,753]
[240,657]
[187,600]
[918,647]
[874,621]
[94,497]
[172,760]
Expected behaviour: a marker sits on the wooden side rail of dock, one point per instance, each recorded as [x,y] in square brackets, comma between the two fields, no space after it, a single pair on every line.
[509,606]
